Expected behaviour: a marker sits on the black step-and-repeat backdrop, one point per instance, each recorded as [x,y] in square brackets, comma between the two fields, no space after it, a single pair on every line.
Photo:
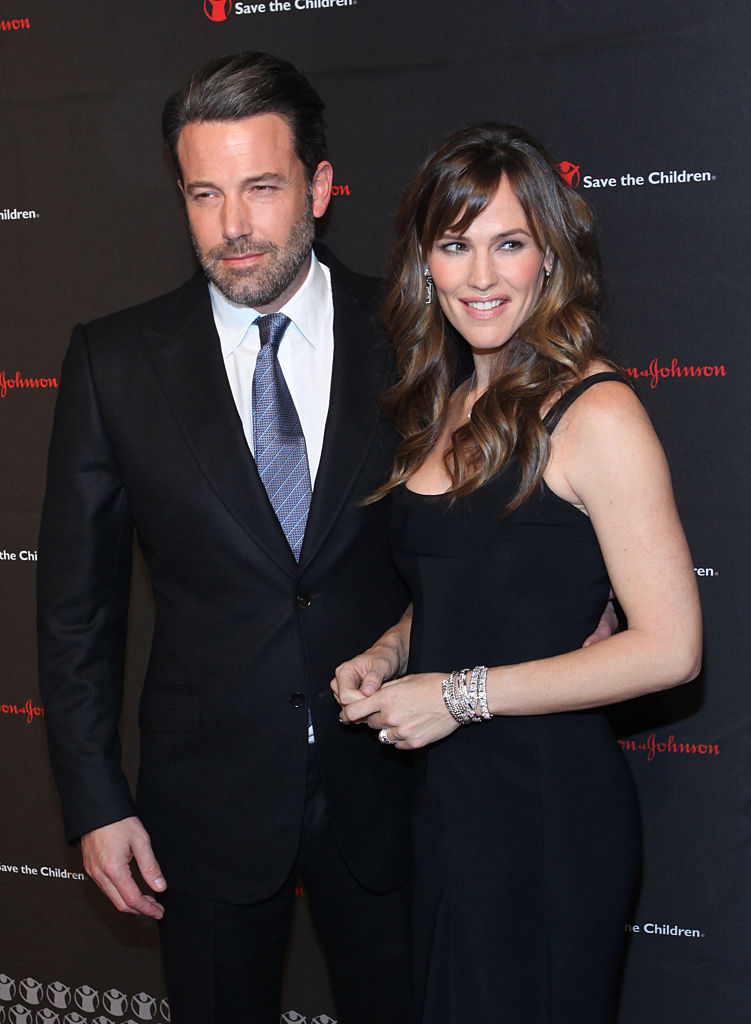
[646,106]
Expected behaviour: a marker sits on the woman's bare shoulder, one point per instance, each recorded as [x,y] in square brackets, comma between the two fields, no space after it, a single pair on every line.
[609,402]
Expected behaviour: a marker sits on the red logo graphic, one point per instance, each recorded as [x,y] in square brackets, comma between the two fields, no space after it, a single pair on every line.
[217,10]
[569,173]
[652,746]
[657,372]
[9,383]
[28,710]
[14,24]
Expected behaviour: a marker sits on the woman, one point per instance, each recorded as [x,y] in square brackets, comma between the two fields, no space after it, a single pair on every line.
[519,497]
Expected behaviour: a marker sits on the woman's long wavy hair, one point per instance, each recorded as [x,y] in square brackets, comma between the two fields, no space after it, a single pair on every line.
[548,353]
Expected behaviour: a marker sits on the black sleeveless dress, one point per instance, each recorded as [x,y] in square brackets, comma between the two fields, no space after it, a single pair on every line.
[526,829]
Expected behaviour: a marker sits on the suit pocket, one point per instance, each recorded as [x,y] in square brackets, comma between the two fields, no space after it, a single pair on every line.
[170,709]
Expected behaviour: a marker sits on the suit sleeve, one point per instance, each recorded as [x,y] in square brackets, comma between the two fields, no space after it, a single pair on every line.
[83,588]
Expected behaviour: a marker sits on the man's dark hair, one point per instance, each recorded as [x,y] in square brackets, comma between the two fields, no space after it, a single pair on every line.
[242,85]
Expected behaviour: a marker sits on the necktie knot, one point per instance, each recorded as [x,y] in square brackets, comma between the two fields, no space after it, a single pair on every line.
[271,328]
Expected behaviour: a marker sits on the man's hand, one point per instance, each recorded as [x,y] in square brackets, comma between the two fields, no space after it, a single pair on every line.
[607,625]
[107,853]
[364,675]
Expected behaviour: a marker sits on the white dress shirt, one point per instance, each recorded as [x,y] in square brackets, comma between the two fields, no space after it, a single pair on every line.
[306,355]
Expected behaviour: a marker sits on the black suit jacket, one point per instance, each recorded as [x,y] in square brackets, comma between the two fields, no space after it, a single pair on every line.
[147,435]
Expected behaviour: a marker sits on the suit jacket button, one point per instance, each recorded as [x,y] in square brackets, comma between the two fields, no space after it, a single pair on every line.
[297,700]
[303,601]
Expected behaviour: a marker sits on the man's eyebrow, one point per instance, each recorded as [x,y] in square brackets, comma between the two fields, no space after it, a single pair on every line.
[269,178]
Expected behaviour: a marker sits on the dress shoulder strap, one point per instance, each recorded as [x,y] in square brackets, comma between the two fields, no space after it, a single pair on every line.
[556,411]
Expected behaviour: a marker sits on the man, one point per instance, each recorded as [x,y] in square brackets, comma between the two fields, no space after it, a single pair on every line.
[261,587]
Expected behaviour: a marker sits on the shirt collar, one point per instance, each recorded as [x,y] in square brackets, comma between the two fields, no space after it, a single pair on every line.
[307,309]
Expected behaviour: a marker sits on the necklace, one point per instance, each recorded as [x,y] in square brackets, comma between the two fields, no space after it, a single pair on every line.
[472,382]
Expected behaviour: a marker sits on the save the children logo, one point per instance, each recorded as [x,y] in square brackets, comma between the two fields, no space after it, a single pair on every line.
[58,1002]
[569,172]
[572,175]
[13,213]
[674,930]
[217,10]
[220,10]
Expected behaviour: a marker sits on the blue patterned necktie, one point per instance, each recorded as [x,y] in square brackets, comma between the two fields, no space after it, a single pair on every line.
[278,440]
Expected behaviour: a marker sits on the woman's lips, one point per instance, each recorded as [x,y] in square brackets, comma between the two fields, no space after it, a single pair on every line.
[485,308]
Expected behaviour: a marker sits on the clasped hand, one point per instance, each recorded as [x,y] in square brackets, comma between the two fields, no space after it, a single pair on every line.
[410,707]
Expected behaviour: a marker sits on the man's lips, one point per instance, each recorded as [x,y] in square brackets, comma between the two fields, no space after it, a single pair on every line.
[237,259]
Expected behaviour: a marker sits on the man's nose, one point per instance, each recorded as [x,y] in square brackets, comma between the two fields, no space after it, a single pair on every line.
[236,218]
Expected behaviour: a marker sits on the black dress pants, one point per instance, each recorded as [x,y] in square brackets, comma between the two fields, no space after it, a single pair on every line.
[224,962]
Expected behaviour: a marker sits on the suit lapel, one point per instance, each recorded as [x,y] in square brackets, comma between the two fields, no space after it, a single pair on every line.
[187,355]
[358,379]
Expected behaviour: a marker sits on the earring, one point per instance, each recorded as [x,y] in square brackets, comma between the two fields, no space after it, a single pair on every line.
[547,273]
[428,287]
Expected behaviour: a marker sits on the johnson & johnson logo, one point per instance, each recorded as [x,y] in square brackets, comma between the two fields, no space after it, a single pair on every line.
[217,10]
[657,372]
[28,711]
[18,382]
[14,25]
[651,746]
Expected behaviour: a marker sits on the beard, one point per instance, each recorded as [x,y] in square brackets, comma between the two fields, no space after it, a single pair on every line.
[262,285]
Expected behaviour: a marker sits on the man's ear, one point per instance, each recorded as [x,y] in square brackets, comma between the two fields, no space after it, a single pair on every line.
[323,178]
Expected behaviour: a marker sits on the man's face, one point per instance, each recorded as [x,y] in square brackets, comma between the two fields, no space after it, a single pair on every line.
[250,207]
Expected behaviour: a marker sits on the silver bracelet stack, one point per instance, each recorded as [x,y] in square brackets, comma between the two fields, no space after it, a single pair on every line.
[465,695]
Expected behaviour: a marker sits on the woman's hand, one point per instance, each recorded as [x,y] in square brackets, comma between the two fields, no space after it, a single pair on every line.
[410,708]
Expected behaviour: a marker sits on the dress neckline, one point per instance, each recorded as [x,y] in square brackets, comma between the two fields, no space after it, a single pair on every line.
[426,494]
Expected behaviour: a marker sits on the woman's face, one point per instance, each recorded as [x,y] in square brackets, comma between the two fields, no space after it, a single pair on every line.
[489,278]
